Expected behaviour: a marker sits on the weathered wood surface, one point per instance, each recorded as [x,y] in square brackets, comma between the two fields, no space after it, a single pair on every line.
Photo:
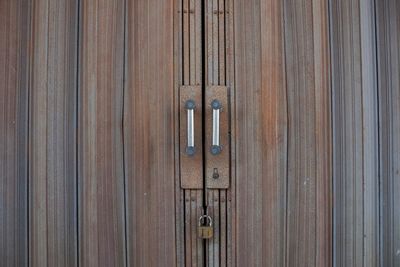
[100,142]
[283,133]
[149,133]
[261,134]
[217,37]
[188,72]
[355,133]
[388,42]
[52,134]
[14,32]
[179,192]
[89,132]
[309,181]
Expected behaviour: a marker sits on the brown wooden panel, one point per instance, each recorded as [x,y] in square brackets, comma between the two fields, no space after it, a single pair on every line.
[260,137]
[14,26]
[218,39]
[388,30]
[179,192]
[149,135]
[101,162]
[228,197]
[309,238]
[355,133]
[191,166]
[52,138]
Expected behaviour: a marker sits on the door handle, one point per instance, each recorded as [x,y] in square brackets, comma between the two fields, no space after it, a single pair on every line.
[190,106]
[215,147]
[190,137]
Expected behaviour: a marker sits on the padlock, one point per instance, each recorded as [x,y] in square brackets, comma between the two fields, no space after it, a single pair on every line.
[205,231]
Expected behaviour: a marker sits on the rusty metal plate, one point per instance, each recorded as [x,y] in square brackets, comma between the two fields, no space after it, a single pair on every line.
[191,166]
[217,165]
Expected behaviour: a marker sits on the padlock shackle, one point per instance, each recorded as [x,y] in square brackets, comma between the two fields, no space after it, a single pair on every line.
[208,217]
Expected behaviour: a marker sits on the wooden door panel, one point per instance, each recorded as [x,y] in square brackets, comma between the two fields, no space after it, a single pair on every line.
[261,134]
[388,49]
[283,133]
[149,133]
[355,133]
[309,206]
[100,142]
[52,134]
[92,138]
[14,32]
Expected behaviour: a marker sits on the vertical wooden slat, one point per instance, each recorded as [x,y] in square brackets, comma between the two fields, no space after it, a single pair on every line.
[301,223]
[260,133]
[388,42]
[186,43]
[221,41]
[309,153]
[370,133]
[192,40]
[215,65]
[149,133]
[101,169]
[347,133]
[355,133]
[14,32]
[323,136]
[188,229]
[178,76]
[230,240]
[52,138]
[38,131]
[192,75]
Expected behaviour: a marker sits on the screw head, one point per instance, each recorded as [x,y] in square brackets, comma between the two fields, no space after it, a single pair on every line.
[190,104]
[190,150]
[215,104]
[215,150]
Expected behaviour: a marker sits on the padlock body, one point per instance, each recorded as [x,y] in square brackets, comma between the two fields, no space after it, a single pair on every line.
[205,232]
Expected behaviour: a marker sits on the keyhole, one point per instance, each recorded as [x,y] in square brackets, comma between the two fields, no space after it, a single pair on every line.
[215,173]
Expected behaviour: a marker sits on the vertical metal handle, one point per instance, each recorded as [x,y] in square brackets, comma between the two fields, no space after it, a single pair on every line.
[190,106]
[215,147]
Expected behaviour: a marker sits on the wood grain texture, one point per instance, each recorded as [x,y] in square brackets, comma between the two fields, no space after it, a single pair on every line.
[149,133]
[355,133]
[189,73]
[101,161]
[14,32]
[180,201]
[388,42]
[260,134]
[228,197]
[309,145]
[215,69]
[52,137]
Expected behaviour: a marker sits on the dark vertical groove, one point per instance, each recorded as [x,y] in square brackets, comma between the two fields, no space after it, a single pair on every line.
[203,89]
[379,222]
[330,47]
[182,53]
[78,12]
[30,77]
[124,68]
[285,253]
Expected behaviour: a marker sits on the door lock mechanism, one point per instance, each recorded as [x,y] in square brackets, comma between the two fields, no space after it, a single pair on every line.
[205,229]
